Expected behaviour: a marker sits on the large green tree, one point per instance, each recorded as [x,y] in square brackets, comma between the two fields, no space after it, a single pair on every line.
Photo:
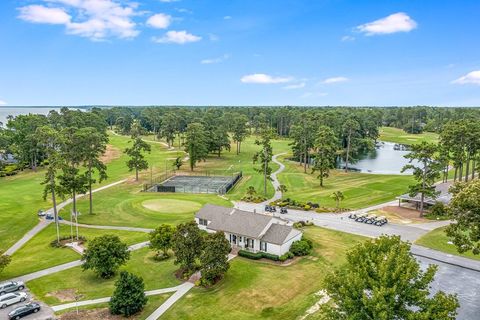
[426,170]
[161,239]
[381,280]
[52,141]
[350,131]
[104,255]
[465,211]
[196,144]
[214,257]
[129,295]
[303,135]
[239,130]
[325,151]
[264,156]
[187,246]
[137,160]
[4,260]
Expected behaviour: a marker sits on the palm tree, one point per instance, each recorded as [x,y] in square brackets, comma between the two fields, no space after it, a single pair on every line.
[337,196]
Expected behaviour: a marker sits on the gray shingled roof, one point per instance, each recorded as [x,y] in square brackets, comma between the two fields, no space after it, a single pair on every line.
[244,223]
[279,233]
[444,195]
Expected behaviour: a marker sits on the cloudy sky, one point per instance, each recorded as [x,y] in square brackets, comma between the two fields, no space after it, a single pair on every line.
[239,52]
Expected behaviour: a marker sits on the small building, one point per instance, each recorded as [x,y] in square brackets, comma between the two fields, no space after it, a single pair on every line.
[248,230]
[443,196]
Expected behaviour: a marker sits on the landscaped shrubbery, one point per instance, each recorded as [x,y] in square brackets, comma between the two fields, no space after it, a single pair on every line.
[301,224]
[439,211]
[301,247]
[66,239]
[294,204]
[286,256]
[258,255]
[253,196]
[9,170]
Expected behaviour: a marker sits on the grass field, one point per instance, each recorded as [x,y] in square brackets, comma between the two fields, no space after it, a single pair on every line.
[21,195]
[37,254]
[360,189]
[152,304]
[438,240]
[156,275]
[254,289]
[125,205]
[396,135]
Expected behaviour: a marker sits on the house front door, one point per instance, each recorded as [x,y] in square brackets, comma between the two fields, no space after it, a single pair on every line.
[234,239]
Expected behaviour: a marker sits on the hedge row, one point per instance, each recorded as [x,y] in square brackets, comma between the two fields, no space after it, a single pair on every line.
[258,255]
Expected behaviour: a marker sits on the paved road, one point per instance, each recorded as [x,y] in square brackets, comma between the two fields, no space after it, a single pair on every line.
[44,223]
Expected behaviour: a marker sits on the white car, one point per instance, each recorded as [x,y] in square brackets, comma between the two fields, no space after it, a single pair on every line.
[12,298]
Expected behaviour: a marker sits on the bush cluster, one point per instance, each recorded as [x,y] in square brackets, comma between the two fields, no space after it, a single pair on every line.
[301,247]
[255,198]
[294,204]
[286,256]
[301,224]
[9,170]
[258,255]
[59,244]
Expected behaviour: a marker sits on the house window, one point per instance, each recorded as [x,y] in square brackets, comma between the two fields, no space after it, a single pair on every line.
[263,246]
[203,222]
[240,239]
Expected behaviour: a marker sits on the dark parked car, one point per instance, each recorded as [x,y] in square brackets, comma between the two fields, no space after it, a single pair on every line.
[24,311]
[283,210]
[270,208]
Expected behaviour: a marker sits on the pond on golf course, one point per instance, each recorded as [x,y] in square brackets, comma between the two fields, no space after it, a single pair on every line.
[386,158]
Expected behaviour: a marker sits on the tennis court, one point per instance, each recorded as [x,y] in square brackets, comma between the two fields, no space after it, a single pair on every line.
[198,184]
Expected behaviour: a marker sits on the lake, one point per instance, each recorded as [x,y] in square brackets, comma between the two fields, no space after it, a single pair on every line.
[386,158]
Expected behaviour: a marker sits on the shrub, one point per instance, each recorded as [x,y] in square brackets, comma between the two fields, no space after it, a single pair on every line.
[129,296]
[258,255]
[286,256]
[250,255]
[306,207]
[438,209]
[301,247]
[64,240]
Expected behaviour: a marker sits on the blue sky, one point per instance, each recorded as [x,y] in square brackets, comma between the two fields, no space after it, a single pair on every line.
[239,52]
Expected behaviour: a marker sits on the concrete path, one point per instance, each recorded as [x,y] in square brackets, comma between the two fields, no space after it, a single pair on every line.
[44,223]
[275,182]
[107,299]
[182,290]
[91,226]
[65,266]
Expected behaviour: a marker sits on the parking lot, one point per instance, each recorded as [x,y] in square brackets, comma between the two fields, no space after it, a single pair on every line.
[45,313]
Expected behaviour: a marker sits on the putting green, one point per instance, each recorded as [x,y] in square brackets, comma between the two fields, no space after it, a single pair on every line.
[171,205]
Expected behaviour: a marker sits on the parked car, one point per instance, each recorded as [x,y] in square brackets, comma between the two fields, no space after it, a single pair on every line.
[270,208]
[24,311]
[12,298]
[41,213]
[283,210]
[50,216]
[11,286]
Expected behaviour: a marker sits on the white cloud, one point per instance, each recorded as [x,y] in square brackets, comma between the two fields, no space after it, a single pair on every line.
[3,102]
[470,78]
[159,21]
[227,17]
[94,19]
[262,78]
[41,14]
[179,37]
[397,22]
[295,86]
[335,80]
[215,60]
[347,38]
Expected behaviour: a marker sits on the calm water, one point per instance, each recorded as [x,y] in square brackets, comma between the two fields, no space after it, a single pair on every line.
[15,111]
[385,159]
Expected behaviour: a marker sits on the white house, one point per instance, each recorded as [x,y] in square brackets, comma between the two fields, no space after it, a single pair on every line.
[247,230]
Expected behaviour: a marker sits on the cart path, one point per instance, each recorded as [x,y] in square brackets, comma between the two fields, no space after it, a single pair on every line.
[341,222]
[66,266]
[182,290]
[44,223]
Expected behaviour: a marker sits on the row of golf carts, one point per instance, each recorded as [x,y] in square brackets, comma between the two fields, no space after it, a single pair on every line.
[369,218]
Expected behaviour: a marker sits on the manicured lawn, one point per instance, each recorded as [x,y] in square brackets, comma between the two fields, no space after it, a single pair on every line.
[37,254]
[156,275]
[21,195]
[360,189]
[396,135]
[126,205]
[153,303]
[438,240]
[254,289]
